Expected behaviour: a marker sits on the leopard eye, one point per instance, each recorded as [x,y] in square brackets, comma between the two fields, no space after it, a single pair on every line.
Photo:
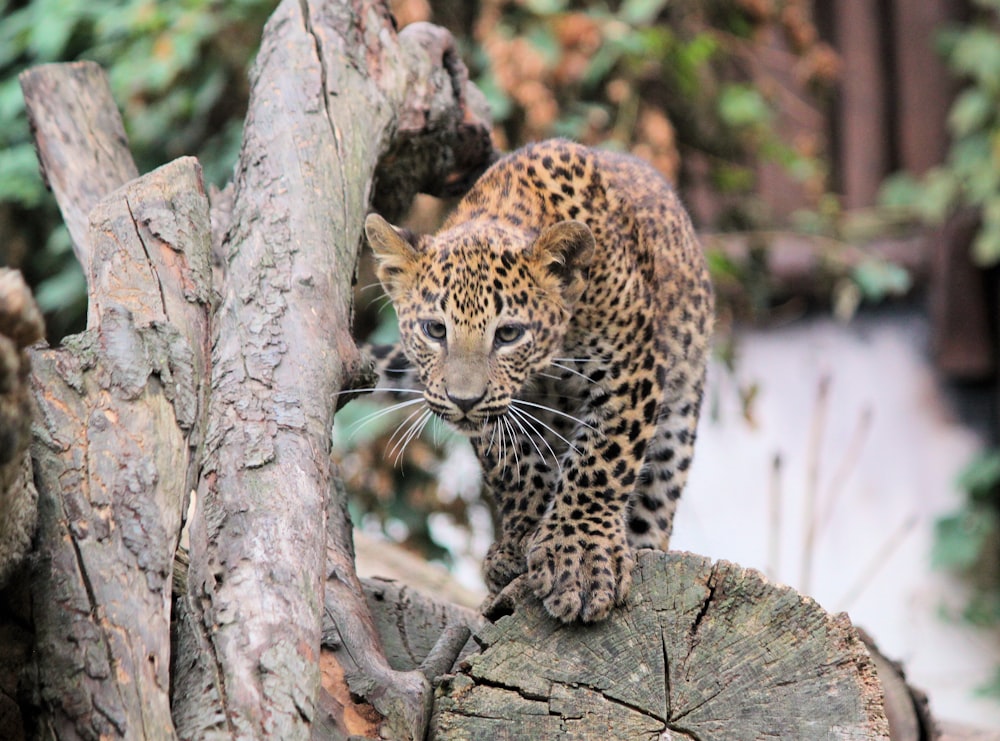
[508,333]
[434,329]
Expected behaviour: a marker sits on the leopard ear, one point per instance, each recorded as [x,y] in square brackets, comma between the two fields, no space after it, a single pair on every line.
[565,251]
[396,255]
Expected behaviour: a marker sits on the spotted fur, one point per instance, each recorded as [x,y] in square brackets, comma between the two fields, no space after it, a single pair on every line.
[560,318]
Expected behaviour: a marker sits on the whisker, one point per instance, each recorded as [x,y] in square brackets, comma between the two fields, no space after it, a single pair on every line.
[376,389]
[503,442]
[573,371]
[528,419]
[436,428]
[418,425]
[535,419]
[513,446]
[527,434]
[400,429]
[381,299]
[493,435]
[554,411]
[549,375]
[378,413]
[574,360]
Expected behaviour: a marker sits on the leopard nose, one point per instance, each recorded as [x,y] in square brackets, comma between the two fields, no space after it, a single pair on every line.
[465,403]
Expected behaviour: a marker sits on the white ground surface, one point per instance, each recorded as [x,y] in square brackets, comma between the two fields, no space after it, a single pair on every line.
[878,491]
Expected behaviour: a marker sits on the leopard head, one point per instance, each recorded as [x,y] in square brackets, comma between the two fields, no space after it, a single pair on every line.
[482,307]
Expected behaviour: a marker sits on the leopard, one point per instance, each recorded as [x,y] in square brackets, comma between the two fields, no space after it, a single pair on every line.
[560,318]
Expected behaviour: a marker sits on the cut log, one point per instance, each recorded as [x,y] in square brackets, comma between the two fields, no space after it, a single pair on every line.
[701,651]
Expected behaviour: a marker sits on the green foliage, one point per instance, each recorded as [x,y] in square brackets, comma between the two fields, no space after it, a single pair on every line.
[970,176]
[591,70]
[967,539]
[177,70]
[741,105]
[881,279]
[962,536]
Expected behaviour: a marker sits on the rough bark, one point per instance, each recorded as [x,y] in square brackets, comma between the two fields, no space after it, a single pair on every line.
[115,456]
[115,446]
[80,140]
[701,651]
[334,90]
[20,325]
[415,632]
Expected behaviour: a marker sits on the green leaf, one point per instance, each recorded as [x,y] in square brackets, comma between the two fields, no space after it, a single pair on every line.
[986,245]
[982,475]
[973,109]
[20,180]
[742,105]
[901,190]
[545,7]
[971,158]
[992,688]
[641,12]
[55,21]
[498,101]
[879,279]
[62,289]
[542,38]
[941,188]
[977,54]
[961,537]
[15,32]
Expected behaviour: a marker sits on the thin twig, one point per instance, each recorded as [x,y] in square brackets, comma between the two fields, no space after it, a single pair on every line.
[877,562]
[812,477]
[773,568]
[846,466]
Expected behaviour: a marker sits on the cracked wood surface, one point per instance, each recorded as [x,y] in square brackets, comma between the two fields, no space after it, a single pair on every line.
[701,651]
[333,89]
[115,456]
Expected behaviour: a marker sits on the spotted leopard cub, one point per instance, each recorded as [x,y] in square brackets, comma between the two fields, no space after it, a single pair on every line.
[560,319]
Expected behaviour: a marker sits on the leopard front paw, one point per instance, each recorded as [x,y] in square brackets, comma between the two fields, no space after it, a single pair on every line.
[579,576]
[504,562]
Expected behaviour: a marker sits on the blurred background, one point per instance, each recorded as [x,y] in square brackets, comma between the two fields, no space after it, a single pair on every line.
[841,161]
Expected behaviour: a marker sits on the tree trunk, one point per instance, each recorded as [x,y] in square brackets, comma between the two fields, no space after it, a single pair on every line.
[862,117]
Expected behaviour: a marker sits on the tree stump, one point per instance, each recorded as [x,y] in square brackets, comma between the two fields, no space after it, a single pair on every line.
[701,651]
